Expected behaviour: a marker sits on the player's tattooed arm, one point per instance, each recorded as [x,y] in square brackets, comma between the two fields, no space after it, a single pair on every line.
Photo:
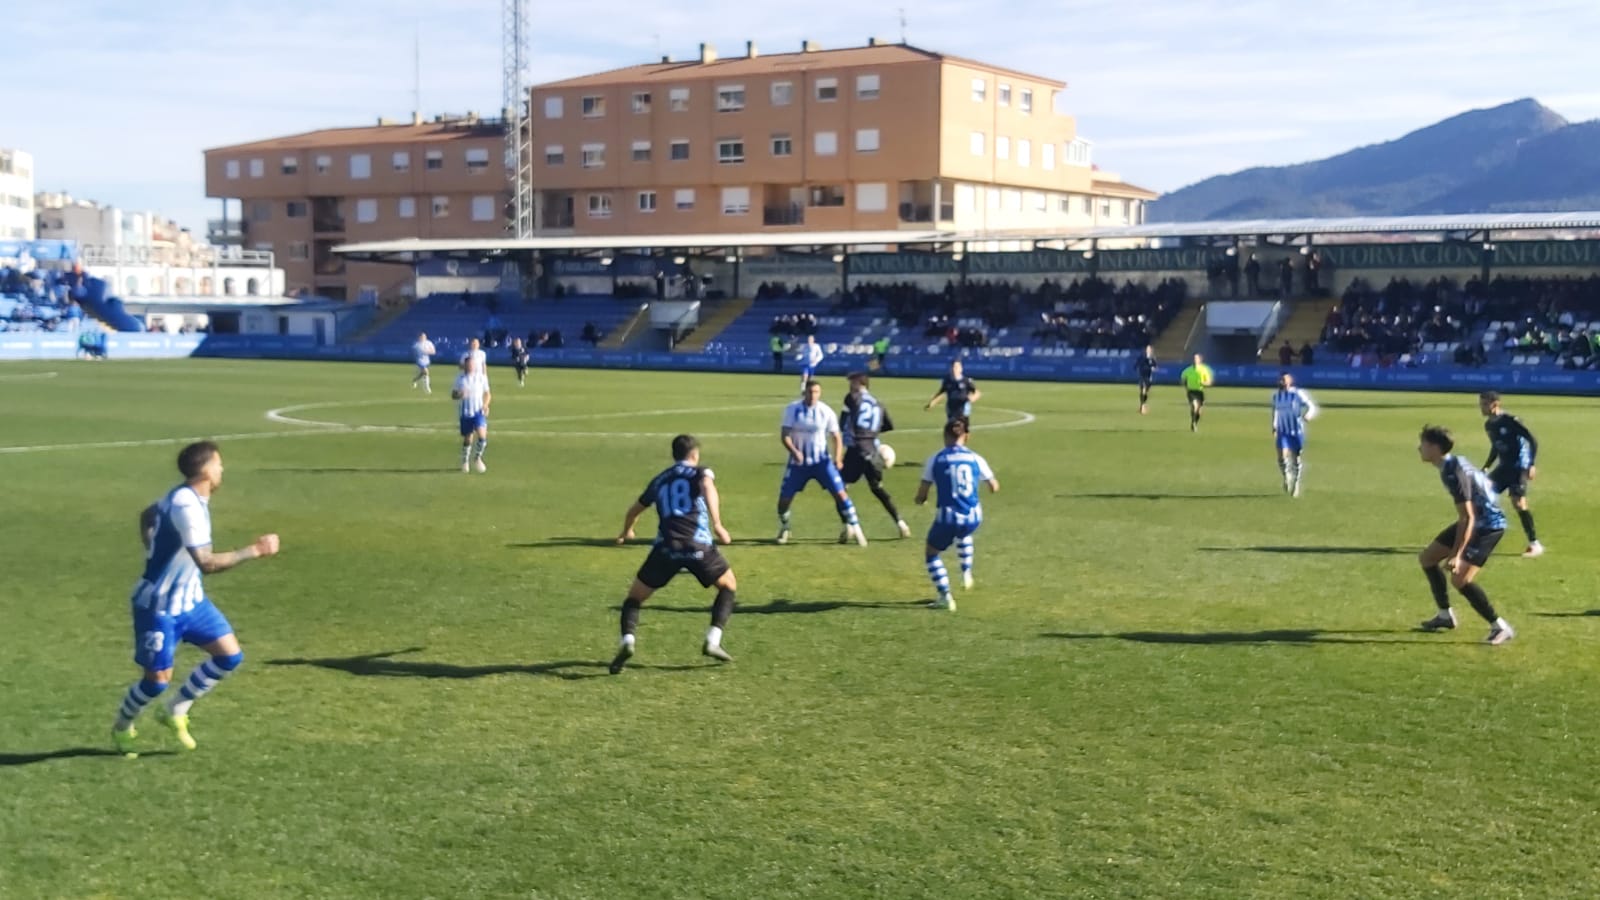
[266,545]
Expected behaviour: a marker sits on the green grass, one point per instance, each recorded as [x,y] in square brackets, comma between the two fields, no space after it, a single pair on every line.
[1142,698]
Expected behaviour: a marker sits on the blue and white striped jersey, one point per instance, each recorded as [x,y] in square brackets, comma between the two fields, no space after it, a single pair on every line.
[423,350]
[474,387]
[809,427]
[810,355]
[956,473]
[171,582]
[1291,407]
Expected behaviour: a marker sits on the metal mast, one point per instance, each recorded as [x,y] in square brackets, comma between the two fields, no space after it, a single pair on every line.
[514,95]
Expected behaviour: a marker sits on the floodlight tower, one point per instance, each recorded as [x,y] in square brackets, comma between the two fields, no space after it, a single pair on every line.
[514,97]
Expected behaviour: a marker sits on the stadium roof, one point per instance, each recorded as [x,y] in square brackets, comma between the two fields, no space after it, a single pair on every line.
[572,243]
[1495,222]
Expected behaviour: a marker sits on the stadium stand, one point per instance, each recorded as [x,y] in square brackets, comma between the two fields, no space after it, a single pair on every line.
[41,300]
[450,320]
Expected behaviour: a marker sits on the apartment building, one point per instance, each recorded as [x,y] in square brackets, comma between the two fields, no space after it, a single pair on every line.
[16,195]
[884,136]
[303,195]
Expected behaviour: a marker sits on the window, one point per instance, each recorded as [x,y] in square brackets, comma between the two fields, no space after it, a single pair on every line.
[594,107]
[299,251]
[641,151]
[434,160]
[966,198]
[599,206]
[872,197]
[866,140]
[406,207]
[258,168]
[366,211]
[678,99]
[730,98]
[291,165]
[260,211]
[441,207]
[976,142]
[1004,94]
[1088,205]
[482,209]
[825,143]
[647,201]
[230,169]
[552,107]
[1002,147]
[477,160]
[360,165]
[782,93]
[1066,203]
[827,89]
[683,198]
[323,164]
[980,90]
[782,145]
[641,101]
[1025,100]
[1079,153]
[594,156]
[680,149]
[1037,202]
[1024,151]
[1105,209]
[1047,156]
[730,151]
[867,87]
[735,201]
[555,155]
[401,161]
[296,209]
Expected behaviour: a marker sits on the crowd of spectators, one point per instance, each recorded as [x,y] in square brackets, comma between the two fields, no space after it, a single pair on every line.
[41,299]
[795,325]
[1546,317]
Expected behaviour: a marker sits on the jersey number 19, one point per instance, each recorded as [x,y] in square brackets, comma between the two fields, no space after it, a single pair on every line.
[961,481]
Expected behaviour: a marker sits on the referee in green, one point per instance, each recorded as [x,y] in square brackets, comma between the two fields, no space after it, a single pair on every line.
[1196,379]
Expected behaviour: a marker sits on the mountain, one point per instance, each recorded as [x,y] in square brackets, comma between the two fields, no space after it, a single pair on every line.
[1518,156]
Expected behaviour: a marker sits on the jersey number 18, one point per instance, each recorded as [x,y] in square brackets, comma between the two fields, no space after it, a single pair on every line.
[673,498]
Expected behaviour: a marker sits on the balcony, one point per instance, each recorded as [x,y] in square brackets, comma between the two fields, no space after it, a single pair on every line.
[225,232]
[915,212]
[787,214]
[327,224]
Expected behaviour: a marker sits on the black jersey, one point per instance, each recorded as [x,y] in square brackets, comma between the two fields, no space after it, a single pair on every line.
[1510,442]
[678,494]
[1146,365]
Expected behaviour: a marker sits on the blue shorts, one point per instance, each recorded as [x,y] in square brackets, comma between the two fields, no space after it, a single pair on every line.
[471,424]
[796,477]
[1294,443]
[156,637]
[942,534]
[806,372]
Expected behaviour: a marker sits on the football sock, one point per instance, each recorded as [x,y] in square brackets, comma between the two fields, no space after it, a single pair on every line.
[886,500]
[1436,581]
[137,698]
[721,609]
[1526,515]
[630,618]
[1480,601]
[965,552]
[204,677]
[1283,466]
[847,512]
[714,636]
[783,518]
[466,453]
[479,446]
[1296,468]
[940,578]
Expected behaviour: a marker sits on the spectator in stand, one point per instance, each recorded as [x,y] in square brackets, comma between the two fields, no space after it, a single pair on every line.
[590,335]
[1252,275]
[1286,277]
[1231,270]
[1307,355]
[1286,354]
[1314,273]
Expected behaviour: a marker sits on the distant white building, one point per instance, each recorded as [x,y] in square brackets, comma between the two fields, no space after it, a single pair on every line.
[16,195]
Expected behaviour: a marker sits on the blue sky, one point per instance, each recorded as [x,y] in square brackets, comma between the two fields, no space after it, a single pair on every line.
[117,100]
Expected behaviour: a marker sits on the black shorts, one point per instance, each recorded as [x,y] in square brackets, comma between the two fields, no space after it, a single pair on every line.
[1144,385]
[661,565]
[1510,478]
[1478,549]
[857,464]
[1197,397]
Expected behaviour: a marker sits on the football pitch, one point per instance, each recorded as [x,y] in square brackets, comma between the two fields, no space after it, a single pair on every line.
[1170,681]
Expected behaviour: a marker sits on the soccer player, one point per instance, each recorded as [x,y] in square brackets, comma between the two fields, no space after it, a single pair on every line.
[423,350]
[959,393]
[170,602]
[1146,367]
[690,513]
[519,359]
[956,471]
[1291,409]
[810,432]
[472,392]
[1464,546]
[810,357]
[1513,445]
[1196,379]
[476,358]
[865,419]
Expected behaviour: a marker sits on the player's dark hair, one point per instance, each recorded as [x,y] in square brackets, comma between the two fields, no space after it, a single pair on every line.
[1439,436]
[1489,396]
[861,377]
[194,457]
[955,428]
[683,445]
[813,384]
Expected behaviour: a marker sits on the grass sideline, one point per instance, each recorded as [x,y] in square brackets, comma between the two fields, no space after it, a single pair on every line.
[1171,680]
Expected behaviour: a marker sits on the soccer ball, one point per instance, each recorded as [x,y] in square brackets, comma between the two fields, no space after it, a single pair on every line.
[886,453]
